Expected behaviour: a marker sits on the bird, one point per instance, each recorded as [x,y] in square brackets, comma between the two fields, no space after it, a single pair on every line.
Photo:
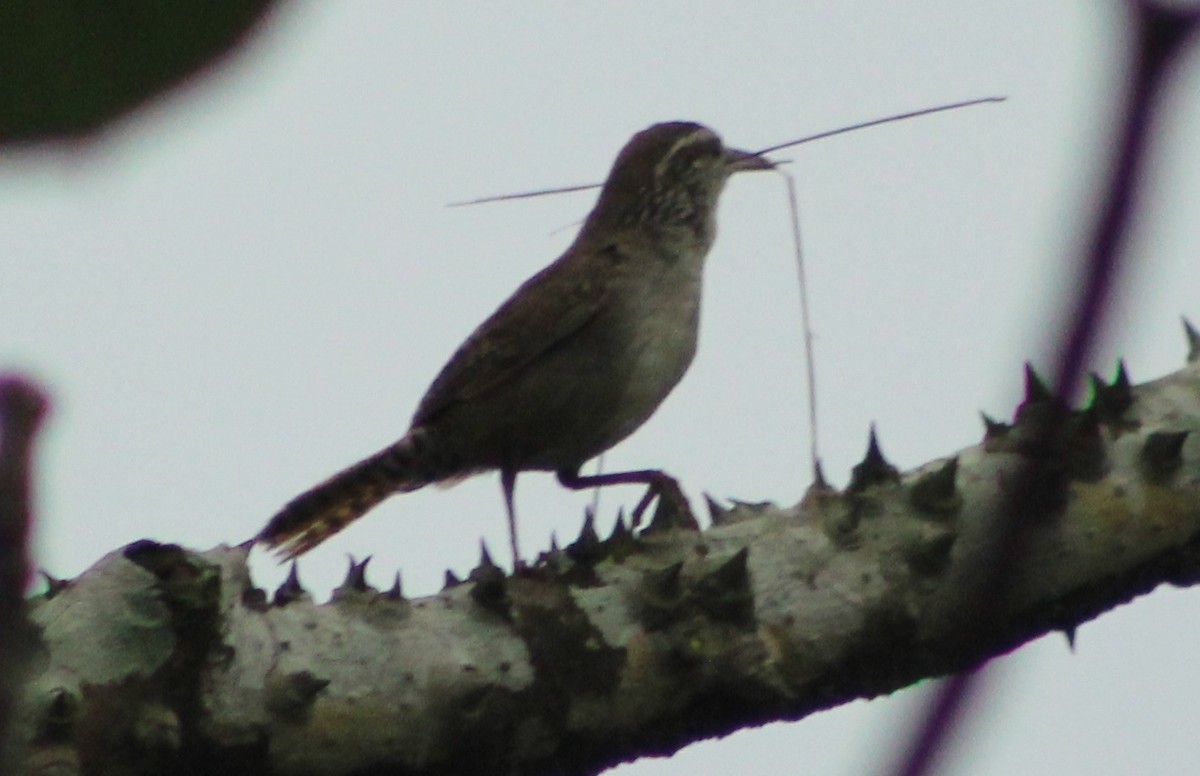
[573,362]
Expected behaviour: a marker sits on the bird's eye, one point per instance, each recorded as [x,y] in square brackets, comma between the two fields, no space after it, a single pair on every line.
[700,154]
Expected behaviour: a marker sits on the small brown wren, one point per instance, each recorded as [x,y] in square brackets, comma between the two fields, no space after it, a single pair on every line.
[578,358]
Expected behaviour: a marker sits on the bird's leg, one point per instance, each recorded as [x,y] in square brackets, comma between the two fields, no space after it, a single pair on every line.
[508,481]
[657,483]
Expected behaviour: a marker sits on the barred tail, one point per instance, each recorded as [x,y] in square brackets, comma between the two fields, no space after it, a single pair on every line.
[320,512]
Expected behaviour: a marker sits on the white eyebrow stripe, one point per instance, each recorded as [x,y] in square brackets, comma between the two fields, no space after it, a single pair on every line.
[699,132]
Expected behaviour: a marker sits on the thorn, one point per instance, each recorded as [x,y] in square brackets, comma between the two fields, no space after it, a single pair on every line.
[874,454]
[356,575]
[621,542]
[587,548]
[992,428]
[665,584]
[929,555]
[733,573]
[620,530]
[451,581]
[1035,389]
[658,599]
[309,686]
[291,696]
[1111,401]
[716,512]
[54,585]
[1193,341]
[291,589]
[1118,396]
[58,716]
[395,593]
[874,469]
[1040,414]
[354,586]
[725,593]
[488,585]
[935,491]
[554,543]
[485,558]
[1162,452]
[588,533]
[1069,632]
[671,511]
[1121,381]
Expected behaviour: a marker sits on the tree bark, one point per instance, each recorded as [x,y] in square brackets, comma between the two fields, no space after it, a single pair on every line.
[163,660]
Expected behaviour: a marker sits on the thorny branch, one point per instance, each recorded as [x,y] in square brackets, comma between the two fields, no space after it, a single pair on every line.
[164,660]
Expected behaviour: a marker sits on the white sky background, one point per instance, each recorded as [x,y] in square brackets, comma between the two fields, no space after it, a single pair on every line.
[250,286]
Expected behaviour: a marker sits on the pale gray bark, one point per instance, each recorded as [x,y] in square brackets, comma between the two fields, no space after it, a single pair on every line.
[164,660]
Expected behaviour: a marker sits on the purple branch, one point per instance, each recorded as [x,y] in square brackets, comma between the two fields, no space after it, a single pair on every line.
[1160,34]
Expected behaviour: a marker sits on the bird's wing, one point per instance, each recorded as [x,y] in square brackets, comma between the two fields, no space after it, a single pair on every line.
[549,307]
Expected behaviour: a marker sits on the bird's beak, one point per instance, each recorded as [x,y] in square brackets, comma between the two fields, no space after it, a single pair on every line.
[744,160]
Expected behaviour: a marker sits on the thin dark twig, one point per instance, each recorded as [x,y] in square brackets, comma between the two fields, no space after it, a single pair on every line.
[912,114]
[525,195]
[22,407]
[808,139]
[1159,37]
[810,361]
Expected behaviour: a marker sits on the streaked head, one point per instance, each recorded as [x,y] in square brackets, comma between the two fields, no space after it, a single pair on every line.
[670,174]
